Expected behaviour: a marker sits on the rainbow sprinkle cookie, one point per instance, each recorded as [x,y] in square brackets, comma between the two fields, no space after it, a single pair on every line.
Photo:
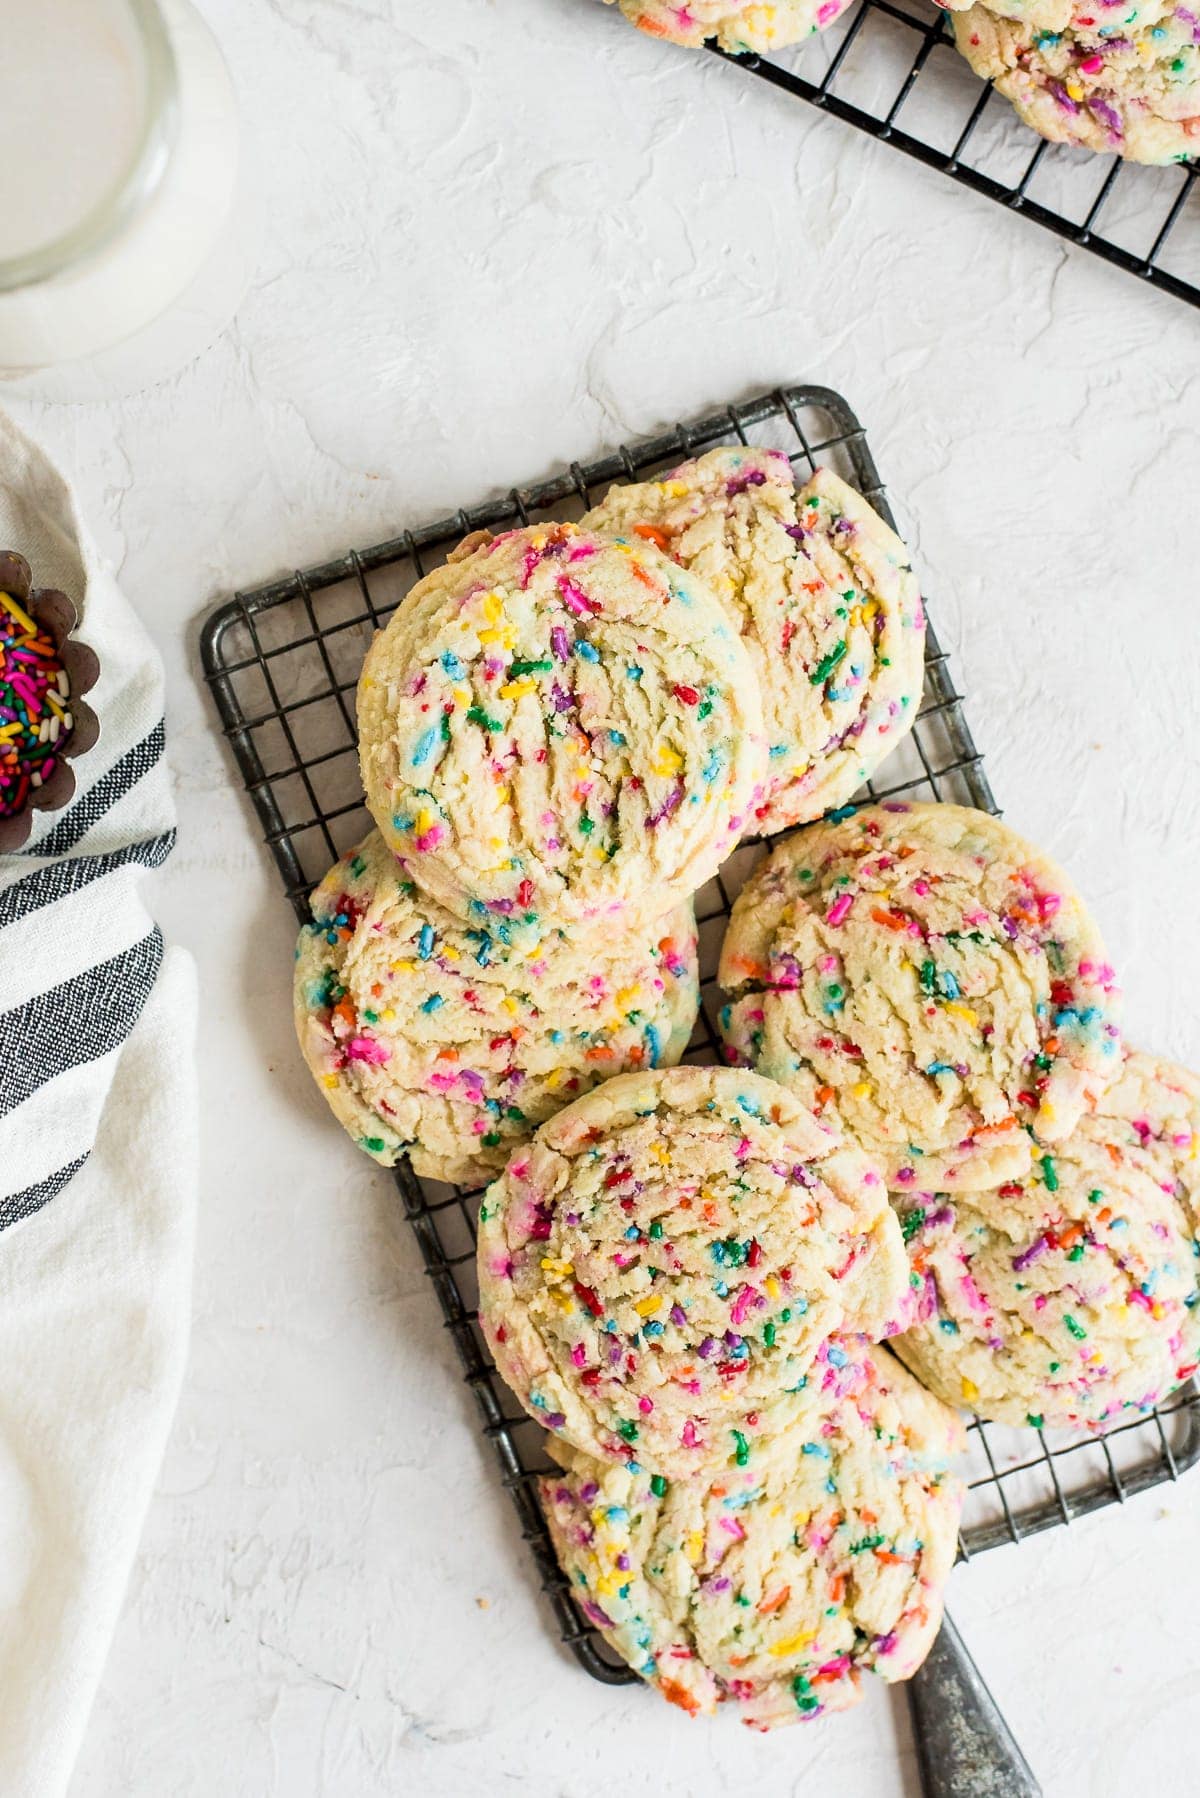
[660,1269]
[933,980]
[772,1586]
[824,598]
[1119,79]
[450,1042]
[1069,1297]
[35,706]
[737,25]
[560,728]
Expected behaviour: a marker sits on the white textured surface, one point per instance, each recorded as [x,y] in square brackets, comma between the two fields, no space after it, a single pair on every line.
[500,234]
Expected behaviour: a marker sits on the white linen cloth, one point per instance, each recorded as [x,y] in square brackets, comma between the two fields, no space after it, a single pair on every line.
[98,1157]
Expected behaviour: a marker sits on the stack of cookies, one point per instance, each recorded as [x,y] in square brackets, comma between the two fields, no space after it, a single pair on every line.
[931,1132]
[1126,84]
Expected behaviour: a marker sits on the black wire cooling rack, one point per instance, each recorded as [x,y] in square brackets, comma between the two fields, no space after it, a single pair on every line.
[889,67]
[282,662]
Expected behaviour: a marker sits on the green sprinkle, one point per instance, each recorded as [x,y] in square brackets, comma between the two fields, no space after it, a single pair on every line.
[769,1335]
[491,1140]
[1034,1419]
[1049,1173]
[587,825]
[828,663]
[516,669]
[1077,1330]
[656,1231]
[742,1450]
[928,976]
[910,1224]
[477,715]
[375,1145]
[860,1548]
[1095,1196]
[1076,1253]
[658,1485]
[628,1431]
[802,1692]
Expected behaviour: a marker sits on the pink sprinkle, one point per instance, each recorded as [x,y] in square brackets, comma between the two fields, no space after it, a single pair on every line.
[365,1048]
[579,1354]
[429,839]
[689,1438]
[744,1302]
[1091,65]
[574,597]
[734,1528]
[839,911]
[645,1405]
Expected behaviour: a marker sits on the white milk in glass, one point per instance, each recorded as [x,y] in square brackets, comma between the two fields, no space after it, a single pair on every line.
[73,118]
[118,174]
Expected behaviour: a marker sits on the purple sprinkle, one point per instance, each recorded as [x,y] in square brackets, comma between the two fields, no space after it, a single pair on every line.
[560,643]
[678,1316]
[588,1492]
[707,1347]
[1022,1261]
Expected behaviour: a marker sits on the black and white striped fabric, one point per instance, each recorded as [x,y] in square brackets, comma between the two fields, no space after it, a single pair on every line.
[79,953]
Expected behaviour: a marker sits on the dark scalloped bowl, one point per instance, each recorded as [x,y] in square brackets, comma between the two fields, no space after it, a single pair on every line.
[56,614]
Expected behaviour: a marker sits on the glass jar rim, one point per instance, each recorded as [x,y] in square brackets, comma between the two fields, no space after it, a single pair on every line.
[142,175]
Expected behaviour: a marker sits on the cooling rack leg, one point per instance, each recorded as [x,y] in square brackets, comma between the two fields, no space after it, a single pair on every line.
[965,1749]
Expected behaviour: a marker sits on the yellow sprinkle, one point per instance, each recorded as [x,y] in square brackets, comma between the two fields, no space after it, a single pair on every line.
[493,607]
[23,619]
[970,1390]
[862,1090]
[461,694]
[963,1011]
[772,1286]
[404,967]
[388,1016]
[793,1644]
[669,762]
[502,795]
[329,1080]
[1074,91]
[558,1270]
[510,1006]
[693,1545]
[513,689]
[625,998]
[659,1153]
[563,1300]
[425,820]
[648,1306]
[450,954]
[553,1078]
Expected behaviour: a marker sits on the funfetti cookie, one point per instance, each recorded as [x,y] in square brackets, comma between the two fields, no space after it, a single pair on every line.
[1152,1117]
[560,729]
[451,1042]
[1124,80]
[772,1586]
[1067,1298]
[823,595]
[660,1270]
[933,980]
[737,25]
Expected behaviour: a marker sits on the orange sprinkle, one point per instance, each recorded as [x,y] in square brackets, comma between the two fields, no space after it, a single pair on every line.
[653,535]
[776,1602]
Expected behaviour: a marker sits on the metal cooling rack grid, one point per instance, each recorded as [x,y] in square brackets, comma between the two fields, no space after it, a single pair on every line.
[283,661]
[889,67]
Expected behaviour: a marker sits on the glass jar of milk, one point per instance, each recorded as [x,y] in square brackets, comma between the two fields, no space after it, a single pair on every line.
[118,175]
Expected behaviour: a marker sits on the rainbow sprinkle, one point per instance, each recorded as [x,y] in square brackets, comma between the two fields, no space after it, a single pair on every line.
[35,706]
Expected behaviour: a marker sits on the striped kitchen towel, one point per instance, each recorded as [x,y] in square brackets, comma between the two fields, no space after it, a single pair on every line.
[97,1165]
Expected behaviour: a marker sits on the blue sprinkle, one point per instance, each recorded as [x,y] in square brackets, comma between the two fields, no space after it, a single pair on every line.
[712,766]
[588,651]
[816,1448]
[950,986]
[843,812]
[778,749]
[940,1067]
[556,1036]
[652,1044]
[618,737]
[634,672]
[424,748]
[425,942]
[837,1356]
[433,1003]
[454,668]
[652,1329]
